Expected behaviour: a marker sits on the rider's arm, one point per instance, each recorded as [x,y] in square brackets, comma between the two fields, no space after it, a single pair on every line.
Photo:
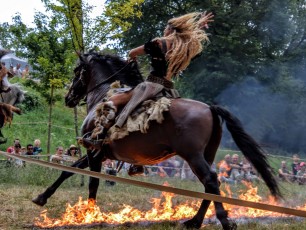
[136,52]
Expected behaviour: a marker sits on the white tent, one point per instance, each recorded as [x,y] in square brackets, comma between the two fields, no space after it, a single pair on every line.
[11,59]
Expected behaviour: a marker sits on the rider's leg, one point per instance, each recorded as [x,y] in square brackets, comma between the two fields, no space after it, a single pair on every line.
[121,99]
[106,113]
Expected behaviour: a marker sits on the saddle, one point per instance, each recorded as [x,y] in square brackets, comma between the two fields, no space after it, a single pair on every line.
[140,118]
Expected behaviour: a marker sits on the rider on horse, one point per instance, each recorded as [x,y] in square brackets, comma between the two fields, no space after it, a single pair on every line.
[4,73]
[170,54]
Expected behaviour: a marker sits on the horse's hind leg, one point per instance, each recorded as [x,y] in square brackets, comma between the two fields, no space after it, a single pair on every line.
[42,198]
[202,170]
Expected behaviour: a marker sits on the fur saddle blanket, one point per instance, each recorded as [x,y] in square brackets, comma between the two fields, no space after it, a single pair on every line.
[140,118]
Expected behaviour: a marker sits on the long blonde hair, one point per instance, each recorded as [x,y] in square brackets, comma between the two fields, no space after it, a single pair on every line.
[187,41]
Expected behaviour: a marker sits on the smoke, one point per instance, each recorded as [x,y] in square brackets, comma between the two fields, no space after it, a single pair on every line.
[272,119]
[273,110]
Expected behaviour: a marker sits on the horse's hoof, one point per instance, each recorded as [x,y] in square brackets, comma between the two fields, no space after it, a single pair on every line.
[230,225]
[40,200]
[192,224]
[233,225]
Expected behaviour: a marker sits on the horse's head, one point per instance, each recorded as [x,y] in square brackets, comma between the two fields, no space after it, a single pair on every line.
[95,72]
[78,87]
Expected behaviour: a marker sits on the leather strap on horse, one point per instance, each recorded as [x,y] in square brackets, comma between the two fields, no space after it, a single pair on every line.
[110,77]
[200,195]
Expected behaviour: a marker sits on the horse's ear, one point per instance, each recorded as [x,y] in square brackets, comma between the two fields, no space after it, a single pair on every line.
[80,55]
[89,58]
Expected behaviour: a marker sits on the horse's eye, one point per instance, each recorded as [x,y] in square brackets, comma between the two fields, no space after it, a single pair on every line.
[77,73]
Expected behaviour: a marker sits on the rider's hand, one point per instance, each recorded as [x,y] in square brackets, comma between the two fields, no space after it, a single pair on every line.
[206,18]
[131,59]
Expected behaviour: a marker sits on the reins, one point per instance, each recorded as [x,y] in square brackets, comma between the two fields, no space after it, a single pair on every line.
[110,77]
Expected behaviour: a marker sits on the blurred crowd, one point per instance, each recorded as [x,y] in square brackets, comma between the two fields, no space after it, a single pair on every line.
[295,173]
[18,70]
[230,170]
[61,155]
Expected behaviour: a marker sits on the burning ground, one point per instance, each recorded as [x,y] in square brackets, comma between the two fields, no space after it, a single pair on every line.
[18,212]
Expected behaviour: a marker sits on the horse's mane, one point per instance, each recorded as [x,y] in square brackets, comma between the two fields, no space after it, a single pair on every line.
[128,74]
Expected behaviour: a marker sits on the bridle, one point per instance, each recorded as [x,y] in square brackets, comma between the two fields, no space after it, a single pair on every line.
[83,84]
[107,79]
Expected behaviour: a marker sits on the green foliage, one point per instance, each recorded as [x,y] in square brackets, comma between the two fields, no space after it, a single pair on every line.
[32,101]
[33,123]
[119,14]
[254,64]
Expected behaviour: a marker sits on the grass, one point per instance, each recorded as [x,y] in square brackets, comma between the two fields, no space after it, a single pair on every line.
[33,125]
[19,185]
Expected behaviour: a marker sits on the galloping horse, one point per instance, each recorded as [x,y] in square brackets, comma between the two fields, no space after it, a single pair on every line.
[13,97]
[191,130]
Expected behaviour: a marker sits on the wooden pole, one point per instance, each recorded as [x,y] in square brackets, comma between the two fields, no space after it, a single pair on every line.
[77,134]
[50,121]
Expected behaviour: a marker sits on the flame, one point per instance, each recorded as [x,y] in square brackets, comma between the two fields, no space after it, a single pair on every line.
[86,212]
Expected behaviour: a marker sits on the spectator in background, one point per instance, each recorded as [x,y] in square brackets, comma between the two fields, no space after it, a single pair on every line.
[11,70]
[58,156]
[37,149]
[187,172]
[177,162]
[23,150]
[236,175]
[110,169]
[72,151]
[30,150]
[17,70]
[166,169]
[72,154]
[11,148]
[225,169]
[26,72]
[295,164]
[284,174]
[17,151]
[301,174]
[247,173]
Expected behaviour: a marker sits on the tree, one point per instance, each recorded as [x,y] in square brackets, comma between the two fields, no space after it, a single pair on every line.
[256,56]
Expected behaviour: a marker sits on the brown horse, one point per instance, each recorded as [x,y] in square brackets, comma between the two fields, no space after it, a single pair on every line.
[191,130]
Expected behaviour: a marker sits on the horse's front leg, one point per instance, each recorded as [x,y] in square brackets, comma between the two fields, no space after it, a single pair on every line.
[42,198]
[95,164]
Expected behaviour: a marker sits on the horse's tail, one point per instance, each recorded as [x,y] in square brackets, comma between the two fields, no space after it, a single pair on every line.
[249,148]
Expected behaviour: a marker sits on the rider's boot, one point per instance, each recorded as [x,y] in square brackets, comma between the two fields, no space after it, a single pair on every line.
[89,143]
[105,115]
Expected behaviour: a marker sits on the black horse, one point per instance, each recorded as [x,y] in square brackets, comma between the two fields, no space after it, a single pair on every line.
[191,129]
